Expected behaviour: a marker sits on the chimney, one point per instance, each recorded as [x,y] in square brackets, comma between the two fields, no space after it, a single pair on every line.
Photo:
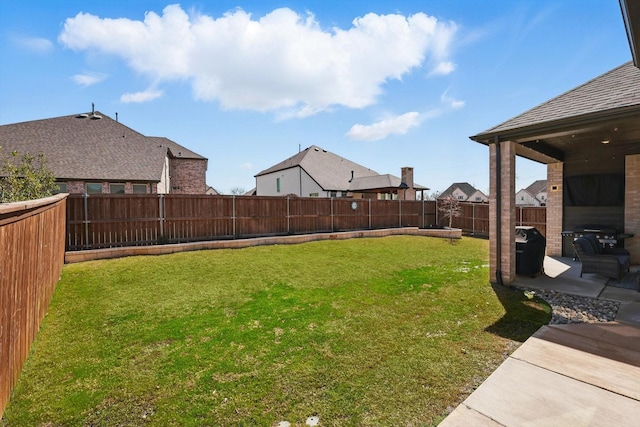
[406,176]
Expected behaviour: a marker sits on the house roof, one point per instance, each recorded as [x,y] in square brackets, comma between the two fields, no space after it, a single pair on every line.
[380,182]
[176,149]
[537,187]
[335,173]
[465,187]
[329,170]
[90,146]
[614,90]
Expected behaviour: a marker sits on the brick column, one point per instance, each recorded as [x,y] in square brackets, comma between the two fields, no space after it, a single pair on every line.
[554,208]
[506,206]
[632,206]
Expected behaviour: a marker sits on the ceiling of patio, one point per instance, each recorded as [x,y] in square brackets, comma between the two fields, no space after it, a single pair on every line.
[552,145]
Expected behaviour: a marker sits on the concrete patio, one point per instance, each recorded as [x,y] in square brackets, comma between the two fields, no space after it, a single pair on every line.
[566,375]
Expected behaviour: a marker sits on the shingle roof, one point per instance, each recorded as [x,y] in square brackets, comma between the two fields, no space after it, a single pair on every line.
[84,147]
[176,149]
[334,173]
[618,88]
[465,187]
[537,187]
[329,170]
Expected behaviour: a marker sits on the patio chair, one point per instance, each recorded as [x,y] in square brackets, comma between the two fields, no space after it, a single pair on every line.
[608,262]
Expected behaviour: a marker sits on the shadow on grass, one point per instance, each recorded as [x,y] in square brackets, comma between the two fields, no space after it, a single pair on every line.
[523,317]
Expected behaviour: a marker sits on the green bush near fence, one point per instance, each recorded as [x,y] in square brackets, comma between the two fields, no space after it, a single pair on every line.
[364,332]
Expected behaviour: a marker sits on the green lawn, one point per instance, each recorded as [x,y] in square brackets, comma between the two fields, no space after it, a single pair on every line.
[365,332]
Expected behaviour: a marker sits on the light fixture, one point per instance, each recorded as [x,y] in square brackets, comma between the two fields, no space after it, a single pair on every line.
[605,141]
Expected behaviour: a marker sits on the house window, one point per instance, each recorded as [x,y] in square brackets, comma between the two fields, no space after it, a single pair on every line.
[62,188]
[313,194]
[140,188]
[94,188]
[460,197]
[278,185]
[116,188]
[334,193]
[345,194]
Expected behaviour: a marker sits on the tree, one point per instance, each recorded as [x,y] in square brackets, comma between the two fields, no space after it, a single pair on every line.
[25,178]
[237,191]
[450,208]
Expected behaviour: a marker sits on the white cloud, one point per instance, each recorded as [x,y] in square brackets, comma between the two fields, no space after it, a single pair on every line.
[395,125]
[281,62]
[88,79]
[144,96]
[450,102]
[34,44]
[443,68]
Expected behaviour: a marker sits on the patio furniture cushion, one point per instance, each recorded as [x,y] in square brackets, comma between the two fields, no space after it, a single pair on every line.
[611,262]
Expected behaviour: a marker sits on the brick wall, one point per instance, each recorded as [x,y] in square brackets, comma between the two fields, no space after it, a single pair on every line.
[188,176]
[506,264]
[632,206]
[554,208]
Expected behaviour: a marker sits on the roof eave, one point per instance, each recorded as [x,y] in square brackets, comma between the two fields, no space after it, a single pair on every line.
[532,131]
[631,17]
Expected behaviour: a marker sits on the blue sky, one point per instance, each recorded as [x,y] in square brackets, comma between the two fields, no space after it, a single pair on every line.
[246,84]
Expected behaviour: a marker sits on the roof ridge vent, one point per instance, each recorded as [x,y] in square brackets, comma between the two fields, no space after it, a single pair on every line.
[82,116]
[95,116]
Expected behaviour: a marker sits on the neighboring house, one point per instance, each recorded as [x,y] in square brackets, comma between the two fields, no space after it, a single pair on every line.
[315,172]
[464,192]
[92,153]
[211,191]
[533,195]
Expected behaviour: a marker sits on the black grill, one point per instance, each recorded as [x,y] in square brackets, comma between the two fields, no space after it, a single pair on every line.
[606,235]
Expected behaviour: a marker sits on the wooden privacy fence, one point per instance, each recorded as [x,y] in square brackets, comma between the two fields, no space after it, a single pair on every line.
[474,218]
[105,220]
[32,244]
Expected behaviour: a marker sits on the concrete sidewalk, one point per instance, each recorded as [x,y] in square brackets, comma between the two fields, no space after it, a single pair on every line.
[565,375]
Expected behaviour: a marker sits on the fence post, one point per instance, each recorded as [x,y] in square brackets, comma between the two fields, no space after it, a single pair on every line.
[520,209]
[473,222]
[161,214]
[233,214]
[331,213]
[85,196]
[288,217]
[370,219]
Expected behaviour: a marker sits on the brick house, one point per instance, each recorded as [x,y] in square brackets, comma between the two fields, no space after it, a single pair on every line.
[589,137]
[92,153]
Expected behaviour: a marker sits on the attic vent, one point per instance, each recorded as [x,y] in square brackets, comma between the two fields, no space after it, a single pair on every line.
[316,149]
[82,116]
[96,117]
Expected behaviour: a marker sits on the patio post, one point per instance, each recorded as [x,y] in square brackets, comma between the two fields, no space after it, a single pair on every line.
[502,219]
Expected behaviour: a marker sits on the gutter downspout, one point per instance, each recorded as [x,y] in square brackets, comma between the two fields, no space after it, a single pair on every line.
[496,141]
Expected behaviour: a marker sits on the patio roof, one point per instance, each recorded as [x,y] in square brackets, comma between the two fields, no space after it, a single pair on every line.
[606,108]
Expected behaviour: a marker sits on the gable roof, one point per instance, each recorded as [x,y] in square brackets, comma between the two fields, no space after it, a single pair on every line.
[537,187]
[329,170]
[176,149]
[90,146]
[465,187]
[613,92]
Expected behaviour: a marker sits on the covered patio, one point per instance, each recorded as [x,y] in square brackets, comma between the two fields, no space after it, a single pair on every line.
[570,374]
[589,138]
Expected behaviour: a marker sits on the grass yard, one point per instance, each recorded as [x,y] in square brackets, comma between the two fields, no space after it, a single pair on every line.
[365,332]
